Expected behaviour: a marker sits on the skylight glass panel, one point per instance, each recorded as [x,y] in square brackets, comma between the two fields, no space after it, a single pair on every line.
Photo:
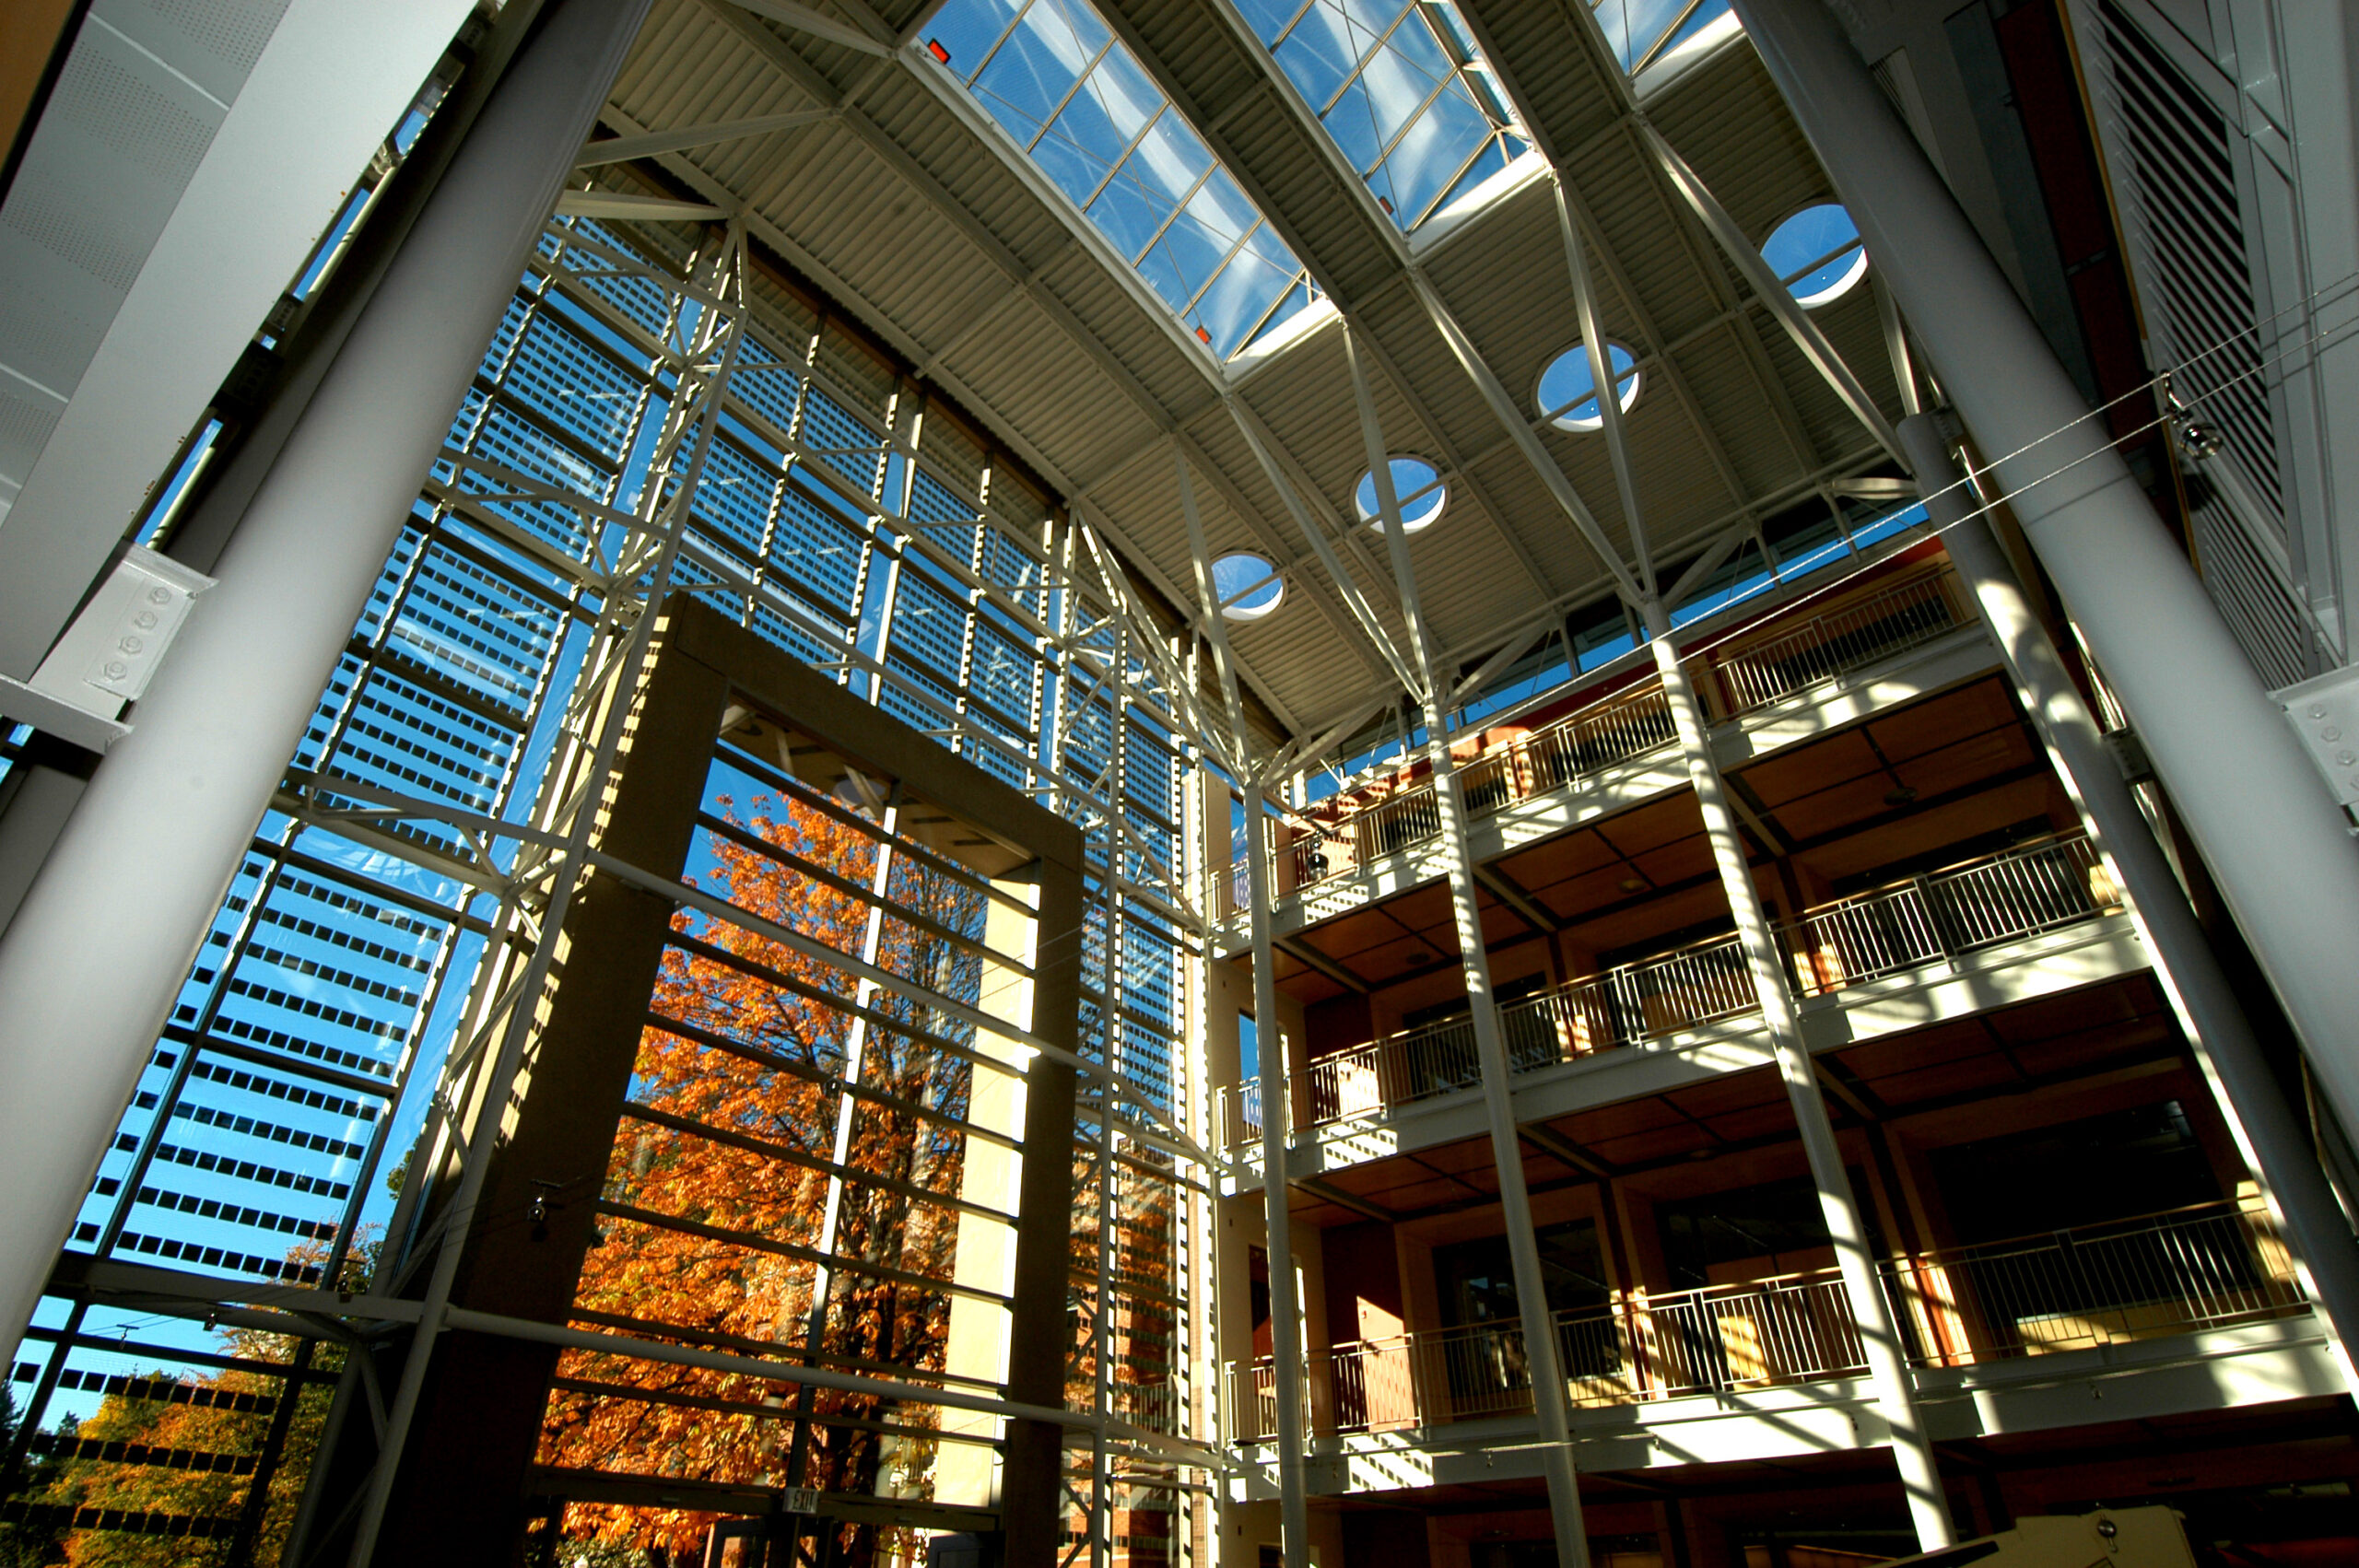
[1078,103]
[1643,31]
[1402,90]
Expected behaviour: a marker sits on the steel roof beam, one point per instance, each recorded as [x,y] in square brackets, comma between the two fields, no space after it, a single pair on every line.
[1750,265]
[1257,439]
[1273,80]
[1535,454]
[1441,443]
[802,18]
[1584,21]
[1341,616]
[1606,387]
[622,149]
[1568,194]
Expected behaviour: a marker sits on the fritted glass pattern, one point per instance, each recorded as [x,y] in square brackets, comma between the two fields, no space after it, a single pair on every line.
[1402,90]
[1078,103]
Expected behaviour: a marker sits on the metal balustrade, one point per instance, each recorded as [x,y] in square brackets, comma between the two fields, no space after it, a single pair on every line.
[1625,725]
[2215,1265]
[1632,722]
[1946,914]
[1757,673]
[2017,893]
[1241,1114]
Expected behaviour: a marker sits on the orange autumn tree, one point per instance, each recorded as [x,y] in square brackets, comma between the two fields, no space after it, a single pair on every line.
[184,1446]
[718,1186]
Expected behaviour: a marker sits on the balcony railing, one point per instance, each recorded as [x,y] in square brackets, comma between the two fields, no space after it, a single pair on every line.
[1626,725]
[1759,673]
[2210,1267]
[2017,894]
[1737,680]
[1947,914]
[2215,1265]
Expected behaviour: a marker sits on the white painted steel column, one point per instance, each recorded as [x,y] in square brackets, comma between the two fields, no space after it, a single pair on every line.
[1292,1433]
[331,81]
[1920,1477]
[2273,838]
[90,966]
[1539,1349]
[2275,1144]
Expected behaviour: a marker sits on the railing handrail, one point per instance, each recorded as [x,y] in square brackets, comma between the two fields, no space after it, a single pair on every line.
[1640,1298]
[1811,631]
[2156,1224]
[1628,1010]
[1629,1301]
[1652,961]
[1790,632]
[2024,850]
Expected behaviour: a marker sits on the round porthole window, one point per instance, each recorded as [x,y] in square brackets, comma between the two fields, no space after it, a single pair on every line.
[1817,254]
[1416,485]
[1569,392]
[1246,585]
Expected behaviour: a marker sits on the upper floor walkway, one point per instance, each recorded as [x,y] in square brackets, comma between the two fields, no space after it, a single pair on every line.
[2193,1309]
[1823,664]
[1988,932]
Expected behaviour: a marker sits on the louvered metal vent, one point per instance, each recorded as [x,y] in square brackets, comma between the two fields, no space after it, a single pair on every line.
[2266,621]
[2185,225]
[2194,262]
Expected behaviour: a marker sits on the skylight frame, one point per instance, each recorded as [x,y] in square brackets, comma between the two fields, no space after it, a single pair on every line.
[1476,80]
[1691,20]
[1022,132]
[1790,277]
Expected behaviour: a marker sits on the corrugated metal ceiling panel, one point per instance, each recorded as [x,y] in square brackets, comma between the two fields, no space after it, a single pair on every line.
[917,210]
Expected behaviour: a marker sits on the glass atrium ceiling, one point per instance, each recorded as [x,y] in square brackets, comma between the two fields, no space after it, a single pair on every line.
[1081,107]
[1642,32]
[1401,88]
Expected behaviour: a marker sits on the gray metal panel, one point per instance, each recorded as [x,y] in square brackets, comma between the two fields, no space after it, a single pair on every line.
[191,155]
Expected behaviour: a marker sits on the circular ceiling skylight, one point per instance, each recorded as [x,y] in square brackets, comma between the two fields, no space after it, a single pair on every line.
[1569,392]
[1246,587]
[1817,254]
[1416,485]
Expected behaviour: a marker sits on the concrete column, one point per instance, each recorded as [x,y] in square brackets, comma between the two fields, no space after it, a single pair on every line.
[989,1174]
[1870,1309]
[1550,1408]
[106,934]
[1032,1468]
[2273,836]
[2273,1141]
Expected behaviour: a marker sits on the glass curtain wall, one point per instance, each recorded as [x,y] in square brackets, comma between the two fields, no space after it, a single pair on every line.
[842,517]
